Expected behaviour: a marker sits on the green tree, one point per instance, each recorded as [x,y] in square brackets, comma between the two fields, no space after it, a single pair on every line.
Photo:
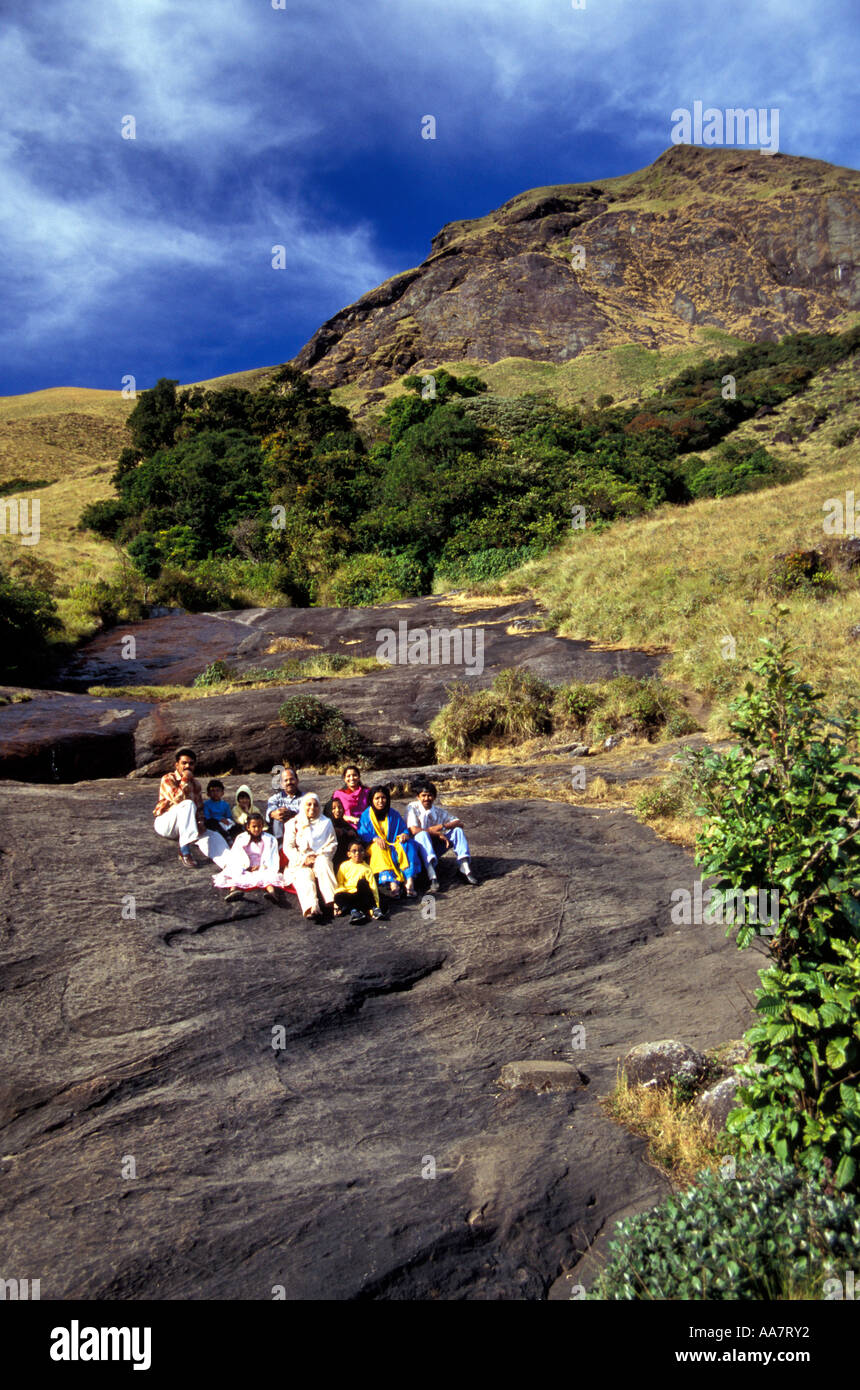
[155,418]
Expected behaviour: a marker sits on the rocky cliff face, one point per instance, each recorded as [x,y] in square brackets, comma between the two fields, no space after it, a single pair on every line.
[754,244]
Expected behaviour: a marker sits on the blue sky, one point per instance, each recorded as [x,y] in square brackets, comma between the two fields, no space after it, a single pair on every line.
[301,126]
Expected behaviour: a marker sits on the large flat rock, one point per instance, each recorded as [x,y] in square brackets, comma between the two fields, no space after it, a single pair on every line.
[63,737]
[144,1045]
[56,736]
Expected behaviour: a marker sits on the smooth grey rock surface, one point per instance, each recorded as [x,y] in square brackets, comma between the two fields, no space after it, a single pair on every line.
[64,736]
[144,1044]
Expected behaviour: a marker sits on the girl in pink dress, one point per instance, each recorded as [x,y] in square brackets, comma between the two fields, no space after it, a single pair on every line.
[253,862]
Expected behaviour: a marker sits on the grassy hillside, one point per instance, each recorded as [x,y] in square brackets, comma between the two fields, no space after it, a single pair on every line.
[68,438]
[622,372]
[685,578]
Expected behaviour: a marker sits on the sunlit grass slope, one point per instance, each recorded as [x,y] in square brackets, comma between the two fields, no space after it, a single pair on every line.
[694,580]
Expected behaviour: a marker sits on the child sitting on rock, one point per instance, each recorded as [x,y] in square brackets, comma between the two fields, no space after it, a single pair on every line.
[357,891]
[346,835]
[244,806]
[216,812]
[435,831]
[253,862]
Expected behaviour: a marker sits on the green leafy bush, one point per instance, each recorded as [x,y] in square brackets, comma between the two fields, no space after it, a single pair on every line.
[216,673]
[364,580]
[639,707]
[28,617]
[574,704]
[108,602]
[738,468]
[801,571]
[333,738]
[783,810]
[762,1234]
[481,566]
[105,518]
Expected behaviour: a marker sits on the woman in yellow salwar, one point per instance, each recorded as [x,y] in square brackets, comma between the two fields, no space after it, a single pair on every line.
[393,857]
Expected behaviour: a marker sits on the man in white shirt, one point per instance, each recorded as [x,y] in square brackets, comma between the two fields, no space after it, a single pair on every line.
[435,831]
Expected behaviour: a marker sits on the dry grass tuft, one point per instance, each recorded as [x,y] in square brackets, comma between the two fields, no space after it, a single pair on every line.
[290,644]
[680,1144]
[467,603]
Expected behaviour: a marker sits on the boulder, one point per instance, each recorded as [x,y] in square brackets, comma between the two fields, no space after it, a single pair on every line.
[541,1076]
[243,730]
[732,1054]
[657,1063]
[59,737]
[715,1104]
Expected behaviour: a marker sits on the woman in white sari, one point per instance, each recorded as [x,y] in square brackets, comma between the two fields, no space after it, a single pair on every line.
[310,843]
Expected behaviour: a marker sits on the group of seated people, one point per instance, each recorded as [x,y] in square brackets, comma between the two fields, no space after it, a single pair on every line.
[320,854]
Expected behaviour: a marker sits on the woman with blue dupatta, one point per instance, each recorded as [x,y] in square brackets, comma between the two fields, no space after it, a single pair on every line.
[393,857]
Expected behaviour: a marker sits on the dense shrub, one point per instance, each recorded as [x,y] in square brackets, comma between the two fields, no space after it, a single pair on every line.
[667,799]
[105,518]
[465,721]
[521,706]
[368,579]
[737,468]
[574,704]
[801,571]
[332,739]
[107,602]
[216,673]
[762,1234]
[518,706]
[193,590]
[483,565]
[784,815]
[28,617]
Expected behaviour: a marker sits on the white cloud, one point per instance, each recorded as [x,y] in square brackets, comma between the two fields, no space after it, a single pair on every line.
[238,105]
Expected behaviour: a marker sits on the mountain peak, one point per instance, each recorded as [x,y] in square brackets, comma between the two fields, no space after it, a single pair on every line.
[754,244]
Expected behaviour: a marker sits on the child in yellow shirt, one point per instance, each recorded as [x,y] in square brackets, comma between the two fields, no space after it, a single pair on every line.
[357,892]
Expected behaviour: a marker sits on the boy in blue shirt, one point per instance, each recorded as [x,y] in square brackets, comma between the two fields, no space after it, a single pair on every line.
[216,812]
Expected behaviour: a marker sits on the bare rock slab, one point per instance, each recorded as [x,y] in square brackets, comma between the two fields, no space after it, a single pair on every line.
[206,1101]
[541,1076]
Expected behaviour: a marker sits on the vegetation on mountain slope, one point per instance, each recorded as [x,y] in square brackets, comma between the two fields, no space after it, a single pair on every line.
[237,497]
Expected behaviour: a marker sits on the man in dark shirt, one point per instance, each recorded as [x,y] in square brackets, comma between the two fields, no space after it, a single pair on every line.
[284,803]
